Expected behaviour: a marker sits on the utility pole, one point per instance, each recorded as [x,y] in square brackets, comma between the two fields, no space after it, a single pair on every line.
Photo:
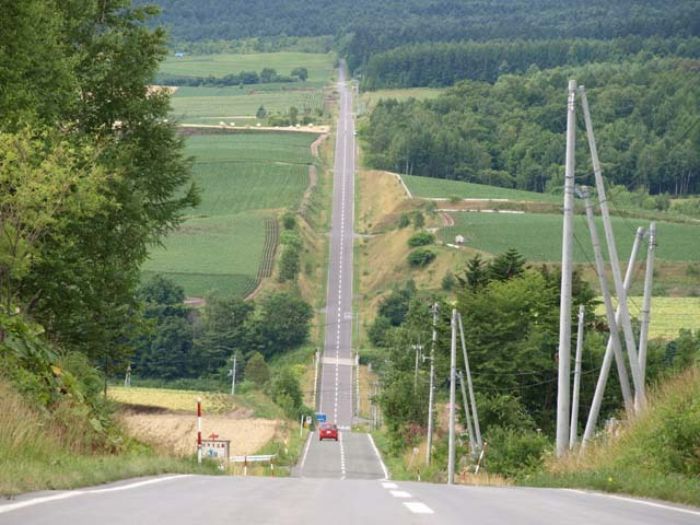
[233,376]
[419,352]
[316,363]
[640,397]
[451,436]
[470,426]
[577,379]
[357,384]
[429,447]
[563,384]
[609,311]
[646,303]
[127,378]
[607,359]
[470,384]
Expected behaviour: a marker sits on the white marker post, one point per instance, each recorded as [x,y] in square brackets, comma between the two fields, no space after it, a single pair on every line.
[199,431]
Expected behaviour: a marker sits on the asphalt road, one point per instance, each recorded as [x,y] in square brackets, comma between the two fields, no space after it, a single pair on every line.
[336,388]
[230,500]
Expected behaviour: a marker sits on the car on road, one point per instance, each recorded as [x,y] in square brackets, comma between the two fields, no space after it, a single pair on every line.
[327,431]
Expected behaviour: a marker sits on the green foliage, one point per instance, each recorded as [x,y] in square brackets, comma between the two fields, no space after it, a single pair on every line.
[290,260]
[421,239]
[404,220]
[261,113]
[286,392]
[281,323]
[301,73]
[256,370]
[448,281]
[289,220]
[421,257]
[511,133]
[418,220]
[514,453]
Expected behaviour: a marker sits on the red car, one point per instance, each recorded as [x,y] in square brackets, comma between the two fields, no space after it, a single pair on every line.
[327,431]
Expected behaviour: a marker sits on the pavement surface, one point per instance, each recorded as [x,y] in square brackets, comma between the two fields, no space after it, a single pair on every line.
[226,500]
[336,388]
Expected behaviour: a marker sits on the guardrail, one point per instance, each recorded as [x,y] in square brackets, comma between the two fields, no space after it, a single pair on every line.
[255,458]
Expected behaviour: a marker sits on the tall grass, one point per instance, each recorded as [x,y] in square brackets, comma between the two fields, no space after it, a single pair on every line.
[41,450]
[656,455]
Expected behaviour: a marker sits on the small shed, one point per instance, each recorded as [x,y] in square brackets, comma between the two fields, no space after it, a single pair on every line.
[459,239]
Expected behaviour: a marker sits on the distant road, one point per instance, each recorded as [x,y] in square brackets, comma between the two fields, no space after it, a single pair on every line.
[286,501]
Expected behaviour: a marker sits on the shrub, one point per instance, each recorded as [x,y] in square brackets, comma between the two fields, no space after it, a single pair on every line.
[448,281]
[256,369]
[421,257]
[404,220]
[289,220]
[514,453]
[421,239]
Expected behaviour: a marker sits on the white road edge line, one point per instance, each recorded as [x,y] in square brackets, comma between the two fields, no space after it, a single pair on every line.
[306,451]
[418,508]
[379,457]
[74,493]
[635,500]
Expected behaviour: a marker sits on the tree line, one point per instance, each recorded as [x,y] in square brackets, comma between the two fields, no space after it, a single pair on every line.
[511,133]
[266,76]
[443,64]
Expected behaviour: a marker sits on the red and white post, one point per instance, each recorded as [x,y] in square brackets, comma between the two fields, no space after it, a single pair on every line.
[199,431]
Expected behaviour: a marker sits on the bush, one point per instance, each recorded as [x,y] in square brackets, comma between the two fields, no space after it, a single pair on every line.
[421,239]
[514,453]
[448,281]
[256,369]
[404,220]
[421,257]
[289,220]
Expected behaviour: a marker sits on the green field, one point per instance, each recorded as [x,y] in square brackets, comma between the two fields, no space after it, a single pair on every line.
[210,105]
[538,236]
[319,65]
[243,179]
[432,188]
[668,314]
[369,99]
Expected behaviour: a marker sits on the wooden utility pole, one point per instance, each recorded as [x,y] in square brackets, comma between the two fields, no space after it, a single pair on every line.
[563,386]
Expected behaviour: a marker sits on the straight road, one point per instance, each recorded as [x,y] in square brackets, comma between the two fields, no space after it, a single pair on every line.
[336,391]
[354,455]
[282,501]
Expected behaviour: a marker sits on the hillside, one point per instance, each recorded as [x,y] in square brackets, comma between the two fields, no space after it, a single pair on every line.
[656,455]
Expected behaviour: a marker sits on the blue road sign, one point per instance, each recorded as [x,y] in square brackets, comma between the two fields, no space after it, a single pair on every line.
[320,417]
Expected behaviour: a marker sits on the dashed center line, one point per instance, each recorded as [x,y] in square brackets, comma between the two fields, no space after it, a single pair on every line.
[418,508]
[400,494]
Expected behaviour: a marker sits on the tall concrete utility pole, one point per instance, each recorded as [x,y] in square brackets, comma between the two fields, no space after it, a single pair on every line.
[646,303]
[453,378]
[609,310]
[470,427]
[564,383]
[640,396]
[470,385]
[607,359]
[577,379]
[429,447]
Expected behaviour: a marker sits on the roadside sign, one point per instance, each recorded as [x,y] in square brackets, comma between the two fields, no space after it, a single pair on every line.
[216,449]
[320,417]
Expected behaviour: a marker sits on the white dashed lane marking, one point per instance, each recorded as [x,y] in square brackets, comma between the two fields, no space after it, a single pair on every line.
[400,494]
[418,508]
[389,485]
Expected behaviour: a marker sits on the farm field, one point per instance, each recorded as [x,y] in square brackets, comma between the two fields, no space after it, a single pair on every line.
[171,427]
[319,65]
[369,99]
[234,104]
[538,236]
[668,314]
[244,179]
[433,188]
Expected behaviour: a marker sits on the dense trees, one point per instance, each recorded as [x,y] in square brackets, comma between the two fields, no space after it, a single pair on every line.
[443,64]
[85,134]
[511,133]
[366,27]
[180,343]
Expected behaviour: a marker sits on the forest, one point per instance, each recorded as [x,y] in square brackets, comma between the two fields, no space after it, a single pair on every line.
[511,133]
[443,64]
